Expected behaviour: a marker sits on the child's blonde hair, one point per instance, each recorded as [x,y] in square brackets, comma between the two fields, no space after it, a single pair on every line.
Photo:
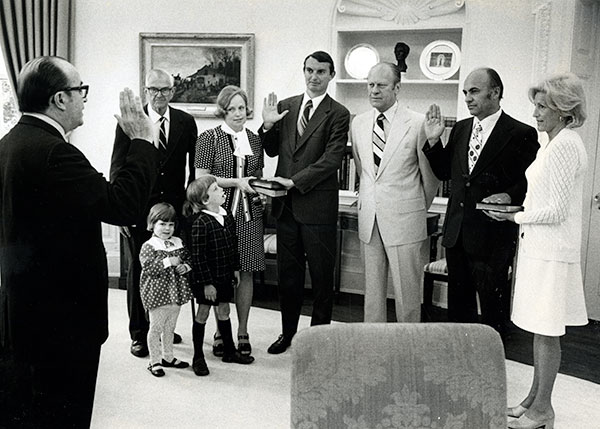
[197,194]
[161,211]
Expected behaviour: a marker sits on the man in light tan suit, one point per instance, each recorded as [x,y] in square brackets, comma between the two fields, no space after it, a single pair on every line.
[397,187]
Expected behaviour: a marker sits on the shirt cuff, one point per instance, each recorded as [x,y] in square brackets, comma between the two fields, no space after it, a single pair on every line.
[518,217]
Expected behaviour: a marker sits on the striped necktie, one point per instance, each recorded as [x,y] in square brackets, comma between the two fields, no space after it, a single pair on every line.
[162,138]
[378,140]
[475,146]
[304,118]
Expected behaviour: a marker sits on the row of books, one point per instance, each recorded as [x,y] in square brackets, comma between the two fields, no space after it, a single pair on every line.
[347,173]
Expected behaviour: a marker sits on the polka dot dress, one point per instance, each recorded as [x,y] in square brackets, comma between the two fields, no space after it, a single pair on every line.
[160,284]
[214,151]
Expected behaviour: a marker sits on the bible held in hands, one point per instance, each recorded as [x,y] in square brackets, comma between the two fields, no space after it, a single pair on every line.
[504,208]
[268,187]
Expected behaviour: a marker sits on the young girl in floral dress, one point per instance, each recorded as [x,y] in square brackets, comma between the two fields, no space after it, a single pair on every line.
[164,286]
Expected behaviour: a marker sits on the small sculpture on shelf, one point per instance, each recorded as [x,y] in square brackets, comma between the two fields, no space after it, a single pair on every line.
[401,51]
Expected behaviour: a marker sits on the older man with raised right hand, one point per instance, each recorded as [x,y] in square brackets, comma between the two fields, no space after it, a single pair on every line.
[53,294]
[397,187]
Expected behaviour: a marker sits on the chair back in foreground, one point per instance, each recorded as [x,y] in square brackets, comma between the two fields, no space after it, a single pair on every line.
[398,375]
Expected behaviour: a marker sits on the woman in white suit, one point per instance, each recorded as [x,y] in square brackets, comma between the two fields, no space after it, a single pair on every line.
[549,287]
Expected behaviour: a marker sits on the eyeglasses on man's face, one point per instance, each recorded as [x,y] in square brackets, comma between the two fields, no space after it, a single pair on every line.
[83,89]
[164,91]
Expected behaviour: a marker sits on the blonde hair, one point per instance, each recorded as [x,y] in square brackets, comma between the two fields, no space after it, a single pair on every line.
[196,194]
[224,100]
[564,94]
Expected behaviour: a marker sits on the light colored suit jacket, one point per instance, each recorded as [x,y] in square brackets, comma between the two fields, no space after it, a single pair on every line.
[404,186]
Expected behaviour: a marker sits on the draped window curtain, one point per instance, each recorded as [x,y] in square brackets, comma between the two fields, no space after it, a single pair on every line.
[32,28]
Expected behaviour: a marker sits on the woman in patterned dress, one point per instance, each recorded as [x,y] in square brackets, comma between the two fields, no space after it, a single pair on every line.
[234,155]
[548,291]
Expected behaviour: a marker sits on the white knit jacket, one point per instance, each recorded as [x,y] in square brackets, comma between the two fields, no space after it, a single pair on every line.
[551,221]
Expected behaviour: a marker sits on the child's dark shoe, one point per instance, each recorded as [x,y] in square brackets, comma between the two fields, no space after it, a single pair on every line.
[244,346]
[237,357]
[200,368]
[156,369]
[175,363]
[218,348]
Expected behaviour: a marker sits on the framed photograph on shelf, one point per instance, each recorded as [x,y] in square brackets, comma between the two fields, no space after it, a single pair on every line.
[440,60]
[201,64]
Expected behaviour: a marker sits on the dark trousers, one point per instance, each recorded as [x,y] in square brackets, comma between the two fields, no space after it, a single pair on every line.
[298,244]
[57,392]
[138,321]
[482,273]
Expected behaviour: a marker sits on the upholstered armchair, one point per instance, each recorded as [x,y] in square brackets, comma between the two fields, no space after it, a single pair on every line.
[398,375]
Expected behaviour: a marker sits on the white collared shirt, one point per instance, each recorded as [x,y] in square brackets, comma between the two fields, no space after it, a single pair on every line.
[155,118]
[220,217]
[315,103]
[487,126]
[389,117]
[49,121]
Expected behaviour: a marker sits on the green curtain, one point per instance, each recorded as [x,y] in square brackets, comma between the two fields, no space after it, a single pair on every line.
[31,28]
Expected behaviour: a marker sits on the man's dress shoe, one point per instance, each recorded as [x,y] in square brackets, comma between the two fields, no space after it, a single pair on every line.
[139,349]
[280,345]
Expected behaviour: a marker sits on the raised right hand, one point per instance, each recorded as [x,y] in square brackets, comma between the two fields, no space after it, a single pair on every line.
[270,114]
[434,124]
[133,120]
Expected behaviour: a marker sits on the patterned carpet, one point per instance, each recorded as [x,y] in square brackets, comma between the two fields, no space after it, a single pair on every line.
[254,396]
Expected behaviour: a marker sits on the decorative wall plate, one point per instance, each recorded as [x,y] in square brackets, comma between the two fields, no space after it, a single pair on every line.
[440,60]
[359,60]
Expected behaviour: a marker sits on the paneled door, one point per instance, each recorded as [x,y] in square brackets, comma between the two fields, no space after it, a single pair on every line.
[585,62]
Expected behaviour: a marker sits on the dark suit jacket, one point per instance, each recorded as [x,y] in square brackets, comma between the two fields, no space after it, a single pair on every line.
[170,184]
[510,148]
[214,254]
[54,269]
[312,160]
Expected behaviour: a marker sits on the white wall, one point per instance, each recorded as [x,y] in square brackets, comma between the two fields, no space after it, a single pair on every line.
[499,34]
[107,50]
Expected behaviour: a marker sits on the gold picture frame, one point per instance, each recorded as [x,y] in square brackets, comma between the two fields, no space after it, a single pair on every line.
[201,64]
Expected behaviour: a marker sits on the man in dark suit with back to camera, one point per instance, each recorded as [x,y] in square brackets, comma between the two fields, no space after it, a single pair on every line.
[309,133]
[175,137]
[53,293]
[486,157]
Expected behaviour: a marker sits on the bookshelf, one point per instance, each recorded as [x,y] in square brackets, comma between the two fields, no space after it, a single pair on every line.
[417,91]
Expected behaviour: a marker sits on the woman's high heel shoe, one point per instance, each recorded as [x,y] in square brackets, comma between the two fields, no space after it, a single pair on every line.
[525,422]
[516,412]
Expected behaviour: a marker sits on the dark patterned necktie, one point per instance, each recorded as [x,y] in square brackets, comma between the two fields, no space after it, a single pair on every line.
[378,140]
[162,138]
[475,146]
[304,118]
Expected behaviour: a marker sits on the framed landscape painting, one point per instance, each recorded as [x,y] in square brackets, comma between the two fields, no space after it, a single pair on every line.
[201,65]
